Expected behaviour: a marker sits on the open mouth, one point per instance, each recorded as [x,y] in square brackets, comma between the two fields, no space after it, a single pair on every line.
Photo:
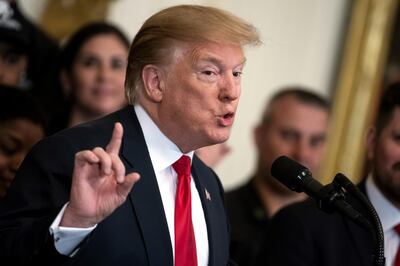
[227,119]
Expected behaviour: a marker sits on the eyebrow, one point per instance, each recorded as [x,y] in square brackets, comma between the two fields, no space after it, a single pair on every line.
[216,61]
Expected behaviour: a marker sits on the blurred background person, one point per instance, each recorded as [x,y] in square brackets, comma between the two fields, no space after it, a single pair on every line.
[93,63]
[29,58]
[214,154]
[14,48]
[301,234]
[295,124]
[21,126]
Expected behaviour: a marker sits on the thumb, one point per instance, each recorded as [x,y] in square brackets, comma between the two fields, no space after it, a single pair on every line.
[125,187]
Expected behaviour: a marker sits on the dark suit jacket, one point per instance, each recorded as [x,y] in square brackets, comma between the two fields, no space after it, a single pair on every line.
[301,234]
[136,233]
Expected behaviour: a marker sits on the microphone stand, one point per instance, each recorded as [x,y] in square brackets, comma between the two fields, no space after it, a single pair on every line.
[331,197]
[376,230]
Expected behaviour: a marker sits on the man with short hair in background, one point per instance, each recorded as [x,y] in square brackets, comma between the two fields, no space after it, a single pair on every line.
[303,235]
[295,124]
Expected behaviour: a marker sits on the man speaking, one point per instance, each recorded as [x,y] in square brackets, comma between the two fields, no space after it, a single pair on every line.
[126,189]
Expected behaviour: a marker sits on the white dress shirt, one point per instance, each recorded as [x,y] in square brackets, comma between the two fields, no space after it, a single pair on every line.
[163,153]
[389,216]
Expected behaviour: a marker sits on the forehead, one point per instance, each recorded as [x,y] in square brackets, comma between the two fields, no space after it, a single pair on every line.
[394,122]
[217,53]
[22,129]
[101,42]
[291,112]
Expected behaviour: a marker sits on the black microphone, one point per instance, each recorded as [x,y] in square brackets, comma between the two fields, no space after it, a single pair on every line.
[295,176]
[329,198]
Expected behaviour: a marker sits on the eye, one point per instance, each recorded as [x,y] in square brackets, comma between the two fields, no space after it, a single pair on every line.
[237,74]
[290,135]
[89,61]
[209,72]
[317,141]
[11,58]
[117,63]
[9,146]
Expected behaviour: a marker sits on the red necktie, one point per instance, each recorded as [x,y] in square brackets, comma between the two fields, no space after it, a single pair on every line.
[397,259]
[185,243]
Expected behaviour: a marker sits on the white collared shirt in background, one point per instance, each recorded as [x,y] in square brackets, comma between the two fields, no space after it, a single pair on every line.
[389,216]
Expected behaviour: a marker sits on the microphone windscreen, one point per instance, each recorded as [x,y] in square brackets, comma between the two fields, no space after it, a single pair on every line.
[287,171]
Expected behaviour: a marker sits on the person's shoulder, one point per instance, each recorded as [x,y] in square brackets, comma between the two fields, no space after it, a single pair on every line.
[305,212]
[302,209]
[241,192]
[95,131]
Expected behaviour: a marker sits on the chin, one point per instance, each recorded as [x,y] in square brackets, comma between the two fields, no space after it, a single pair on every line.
[219,139]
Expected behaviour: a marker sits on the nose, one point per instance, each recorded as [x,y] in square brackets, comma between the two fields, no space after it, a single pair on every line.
[16,160]
[302,153]
[229,88]
[103,72]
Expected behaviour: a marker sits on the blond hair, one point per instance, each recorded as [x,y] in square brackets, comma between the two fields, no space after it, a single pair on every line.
[185,23]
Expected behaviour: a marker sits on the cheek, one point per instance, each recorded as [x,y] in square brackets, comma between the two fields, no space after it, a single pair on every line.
[10,78]
[82,80]
[383,160]
[120,79]
[279,146]
[3,162]
[386,152]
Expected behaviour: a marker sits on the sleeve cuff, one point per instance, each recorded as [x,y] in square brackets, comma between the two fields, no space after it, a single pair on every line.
[67,239]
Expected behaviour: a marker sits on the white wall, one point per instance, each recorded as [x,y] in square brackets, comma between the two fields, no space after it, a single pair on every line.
[301,40]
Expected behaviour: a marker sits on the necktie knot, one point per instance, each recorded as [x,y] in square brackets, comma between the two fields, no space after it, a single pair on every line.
[182,166]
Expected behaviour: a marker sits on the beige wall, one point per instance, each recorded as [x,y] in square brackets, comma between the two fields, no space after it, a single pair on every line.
[301,40]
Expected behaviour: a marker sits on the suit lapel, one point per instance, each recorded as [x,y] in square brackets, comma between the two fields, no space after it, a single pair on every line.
[214,212]
[145,195]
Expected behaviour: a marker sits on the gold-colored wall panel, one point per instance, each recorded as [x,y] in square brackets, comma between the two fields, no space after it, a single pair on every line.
[62,17]
[359,85]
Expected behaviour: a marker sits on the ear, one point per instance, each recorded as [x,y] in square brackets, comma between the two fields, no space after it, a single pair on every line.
[65,83]
[371,142]
[153,82]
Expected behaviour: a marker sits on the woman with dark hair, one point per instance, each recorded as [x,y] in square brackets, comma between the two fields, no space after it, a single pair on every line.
[93,63]
[21,126]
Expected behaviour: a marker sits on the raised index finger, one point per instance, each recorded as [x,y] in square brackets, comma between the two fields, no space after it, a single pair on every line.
[115,142]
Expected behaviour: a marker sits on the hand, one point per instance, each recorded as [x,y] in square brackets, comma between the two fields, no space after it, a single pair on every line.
[99,184]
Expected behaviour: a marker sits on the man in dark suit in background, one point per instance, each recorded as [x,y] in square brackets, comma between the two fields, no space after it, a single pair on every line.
[295,124]
[301,234]
[78,199]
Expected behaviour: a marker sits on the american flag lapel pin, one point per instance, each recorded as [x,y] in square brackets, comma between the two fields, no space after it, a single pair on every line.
[208,195]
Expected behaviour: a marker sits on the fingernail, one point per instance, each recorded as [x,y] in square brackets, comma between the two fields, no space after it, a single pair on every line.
[120,179]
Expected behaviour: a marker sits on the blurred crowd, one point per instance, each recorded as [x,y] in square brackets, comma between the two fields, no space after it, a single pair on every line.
[47,87]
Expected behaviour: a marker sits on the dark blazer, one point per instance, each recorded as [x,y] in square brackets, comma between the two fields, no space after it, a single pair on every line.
[301,234]
[136,233]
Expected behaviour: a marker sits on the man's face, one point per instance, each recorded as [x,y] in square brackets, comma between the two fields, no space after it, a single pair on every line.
[296,130]
[201,94]
[385,155]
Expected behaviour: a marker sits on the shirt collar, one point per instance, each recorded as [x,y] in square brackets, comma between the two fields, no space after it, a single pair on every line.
[387,212]
[163,152]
